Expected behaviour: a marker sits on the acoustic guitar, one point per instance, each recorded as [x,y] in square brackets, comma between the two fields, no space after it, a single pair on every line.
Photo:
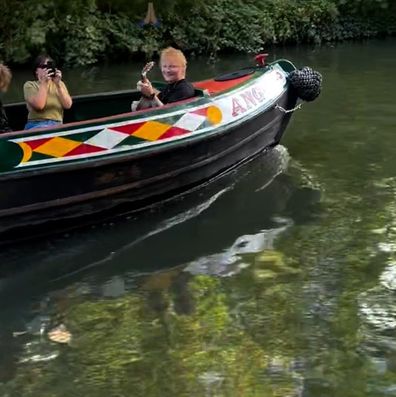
[144,103]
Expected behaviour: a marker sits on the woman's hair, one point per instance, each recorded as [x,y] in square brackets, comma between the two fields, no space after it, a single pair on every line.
[5,77]
[173,53]
[40,60]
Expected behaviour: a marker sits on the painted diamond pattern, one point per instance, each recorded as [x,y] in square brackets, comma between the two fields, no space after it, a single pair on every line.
[40,156]
[201,111]
[151,130]
[34,143]
[93,141]
[130,141]
[190,121]
[173,131]
[107,138]
[57,147]
[83,136]
[84,149]
[128,128]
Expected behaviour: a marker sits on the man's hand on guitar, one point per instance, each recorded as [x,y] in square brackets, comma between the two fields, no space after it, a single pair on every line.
[146,89]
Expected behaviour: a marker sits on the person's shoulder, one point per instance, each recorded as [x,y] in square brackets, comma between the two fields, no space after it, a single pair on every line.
[187,85]
[30,88]
[30,84]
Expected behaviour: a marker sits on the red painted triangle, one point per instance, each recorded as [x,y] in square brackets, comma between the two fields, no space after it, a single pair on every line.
[129,128]
[84,149]
[173,131]
[37,142]
[201,112]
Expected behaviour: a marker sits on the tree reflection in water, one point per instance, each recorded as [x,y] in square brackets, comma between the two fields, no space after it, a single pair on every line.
[168,296]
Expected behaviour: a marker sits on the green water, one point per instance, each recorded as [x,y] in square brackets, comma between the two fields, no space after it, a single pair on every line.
[278,280]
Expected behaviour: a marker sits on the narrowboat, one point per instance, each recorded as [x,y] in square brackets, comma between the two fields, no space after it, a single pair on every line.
[105,158]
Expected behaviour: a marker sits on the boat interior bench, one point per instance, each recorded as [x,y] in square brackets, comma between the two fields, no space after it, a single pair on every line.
[85,107]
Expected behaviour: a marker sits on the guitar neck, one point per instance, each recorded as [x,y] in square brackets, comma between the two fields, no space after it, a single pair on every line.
[145,70]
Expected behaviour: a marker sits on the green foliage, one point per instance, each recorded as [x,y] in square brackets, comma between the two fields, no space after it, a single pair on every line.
[85,40]
[81,32]
[303,21]
[217,26]
[367,7]
[20,39]
[123,35]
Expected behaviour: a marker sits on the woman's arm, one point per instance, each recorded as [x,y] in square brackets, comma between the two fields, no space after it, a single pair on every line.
[63,94]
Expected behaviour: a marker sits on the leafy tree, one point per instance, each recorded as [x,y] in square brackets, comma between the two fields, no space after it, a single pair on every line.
[81,32]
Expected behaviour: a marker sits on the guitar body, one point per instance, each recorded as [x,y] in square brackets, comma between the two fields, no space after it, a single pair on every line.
[144,103]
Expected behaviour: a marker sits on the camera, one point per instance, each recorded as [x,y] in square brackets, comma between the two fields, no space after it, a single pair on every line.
[51,68]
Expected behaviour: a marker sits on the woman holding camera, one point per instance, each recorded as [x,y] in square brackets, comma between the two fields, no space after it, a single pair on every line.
[47,96]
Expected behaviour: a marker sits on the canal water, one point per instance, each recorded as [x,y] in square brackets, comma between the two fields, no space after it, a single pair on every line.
[278,279]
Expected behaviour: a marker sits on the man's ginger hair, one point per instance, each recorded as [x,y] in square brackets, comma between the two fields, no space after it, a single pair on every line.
[173,53]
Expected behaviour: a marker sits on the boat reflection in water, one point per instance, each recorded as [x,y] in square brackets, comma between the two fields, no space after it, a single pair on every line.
[206,231]
[242,211]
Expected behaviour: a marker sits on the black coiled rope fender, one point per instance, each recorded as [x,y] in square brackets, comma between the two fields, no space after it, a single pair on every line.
[306,82]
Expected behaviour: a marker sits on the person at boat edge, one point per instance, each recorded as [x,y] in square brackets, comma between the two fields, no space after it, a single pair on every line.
[5,79]
[173,66]
[47,96]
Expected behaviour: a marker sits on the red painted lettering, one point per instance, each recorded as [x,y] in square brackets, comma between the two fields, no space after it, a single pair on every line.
[258,93]
[237,108]
[248,98]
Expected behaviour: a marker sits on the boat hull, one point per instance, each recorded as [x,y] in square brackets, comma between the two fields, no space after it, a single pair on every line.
[50,198]
[135,182]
